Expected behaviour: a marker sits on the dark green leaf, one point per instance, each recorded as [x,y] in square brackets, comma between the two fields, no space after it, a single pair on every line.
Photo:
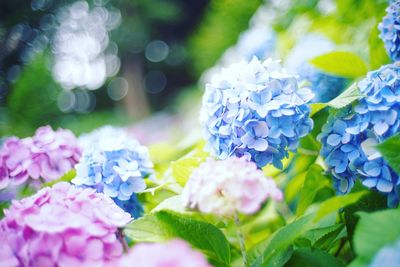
[340,63]
[321,237]
[165,225]
[312,258]
[314,181]
[390,149]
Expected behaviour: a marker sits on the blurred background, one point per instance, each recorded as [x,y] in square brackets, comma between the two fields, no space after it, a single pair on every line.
[143,63]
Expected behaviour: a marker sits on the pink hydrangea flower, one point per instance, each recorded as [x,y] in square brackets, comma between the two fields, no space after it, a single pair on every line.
[53,153]
[15,159]
[48,154]
[62,226]
[228,186]
[175,253]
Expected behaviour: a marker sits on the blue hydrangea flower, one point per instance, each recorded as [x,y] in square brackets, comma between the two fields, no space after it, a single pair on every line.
[388,256]
[324,86]
[258,41]
[390,30]
[256,110]
[350,135]
[116,167]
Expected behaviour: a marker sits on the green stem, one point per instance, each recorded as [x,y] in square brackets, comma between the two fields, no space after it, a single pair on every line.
[241,238]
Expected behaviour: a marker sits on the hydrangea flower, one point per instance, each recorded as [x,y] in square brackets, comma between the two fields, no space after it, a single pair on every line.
[324,86]
[388,256]
[175,253]
[390,30]
[62,226]
[115,165]
[48,155]
[255,110]
[350,135]
[228,186]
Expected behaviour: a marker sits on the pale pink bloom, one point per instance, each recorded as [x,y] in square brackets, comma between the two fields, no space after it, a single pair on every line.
[175,253]
[227,186]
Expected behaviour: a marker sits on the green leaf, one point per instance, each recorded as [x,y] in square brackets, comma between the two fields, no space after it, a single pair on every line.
[316,107]
[65,178]
[336,203]
[323,237]
[374,231]
[165,225]
[183,168]
[312,258]
[348,96]
[281,240]
[314,181]
[341,63]
[390,151]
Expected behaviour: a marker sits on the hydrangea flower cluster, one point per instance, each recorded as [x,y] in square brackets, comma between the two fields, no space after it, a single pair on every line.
[228,186]
[388,256]
[115,165]
[350,135]
[62,226]
[255,110]
[175,253]
[390,30]
[324,86]
[48,155]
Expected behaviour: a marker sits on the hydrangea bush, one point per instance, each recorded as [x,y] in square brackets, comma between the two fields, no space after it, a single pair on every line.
[280,177]
[115,164]
[47,155]
[255,110]
[350,136]
[390,30]
[62,226]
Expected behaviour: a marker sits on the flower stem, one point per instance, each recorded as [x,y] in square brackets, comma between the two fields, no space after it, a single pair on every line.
[121,239]
[241,238]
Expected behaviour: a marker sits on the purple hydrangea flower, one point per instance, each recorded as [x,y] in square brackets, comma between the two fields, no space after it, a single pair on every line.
[350,135]
[255,110]
[48,155]
[390,30]
[115,165]
[62,226]
[227,186]
[175,253]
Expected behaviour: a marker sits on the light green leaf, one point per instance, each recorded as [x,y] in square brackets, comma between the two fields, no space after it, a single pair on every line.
[336,203]
[390,151]
[316,107]
[315,258]
[374,231]
[65,178]
[348,96]
[164,225]
[341,63]
[173,203]
[314,181]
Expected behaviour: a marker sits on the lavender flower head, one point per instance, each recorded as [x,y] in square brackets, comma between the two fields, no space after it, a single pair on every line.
[390,30]
[324,86]
[175,253]
[48,155]
[117,166]
[388,256]
[62,226]
[228,186]
[350,135]
[255,110]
